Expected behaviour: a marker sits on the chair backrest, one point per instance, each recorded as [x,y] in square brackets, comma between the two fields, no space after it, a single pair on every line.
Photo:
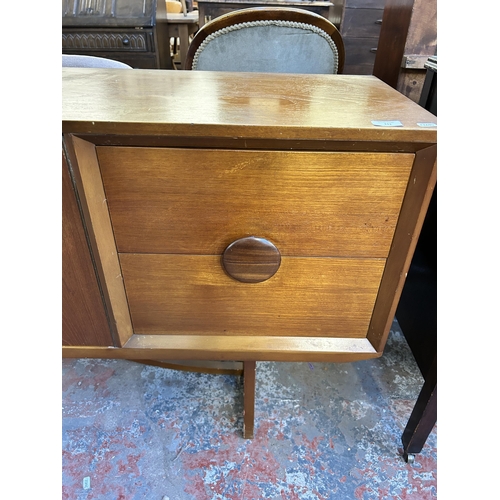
[269,40]
[78,61]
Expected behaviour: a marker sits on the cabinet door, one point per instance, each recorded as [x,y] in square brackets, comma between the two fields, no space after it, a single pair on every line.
[84,321]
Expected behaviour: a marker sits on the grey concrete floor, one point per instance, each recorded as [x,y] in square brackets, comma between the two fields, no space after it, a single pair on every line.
[323,431]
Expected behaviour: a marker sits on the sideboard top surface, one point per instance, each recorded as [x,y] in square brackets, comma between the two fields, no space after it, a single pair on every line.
[243,105]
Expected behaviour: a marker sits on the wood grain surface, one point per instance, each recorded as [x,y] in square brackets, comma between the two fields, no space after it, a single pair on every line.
[222,347]
[248,398]
[246,105]
[251,259]
[100,232]
[418,195]
[84,320]
[315,297]
[165,200]
[285,169]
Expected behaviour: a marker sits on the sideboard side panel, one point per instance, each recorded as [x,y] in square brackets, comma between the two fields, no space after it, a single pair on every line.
[85,167]
[84,321]
[411,219]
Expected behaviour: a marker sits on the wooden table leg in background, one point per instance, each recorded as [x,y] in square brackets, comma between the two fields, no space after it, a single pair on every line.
[248,398]
[422,418]
[184,41]
[180,26]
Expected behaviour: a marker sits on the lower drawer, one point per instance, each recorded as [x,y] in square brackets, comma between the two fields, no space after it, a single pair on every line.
[309,297]
[360,52]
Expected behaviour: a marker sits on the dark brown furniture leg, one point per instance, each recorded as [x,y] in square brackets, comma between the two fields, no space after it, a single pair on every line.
[423,417]
[248,398]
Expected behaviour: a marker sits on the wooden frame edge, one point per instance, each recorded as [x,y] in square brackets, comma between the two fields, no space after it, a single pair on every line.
[196,142]
[229,348]
[84,168]
[413,210]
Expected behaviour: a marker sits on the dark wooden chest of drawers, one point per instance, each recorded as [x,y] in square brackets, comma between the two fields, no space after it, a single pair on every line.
[124,30]
[360,28]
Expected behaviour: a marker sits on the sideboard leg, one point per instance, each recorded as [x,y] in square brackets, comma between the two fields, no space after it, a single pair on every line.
[422,418]
[248,398]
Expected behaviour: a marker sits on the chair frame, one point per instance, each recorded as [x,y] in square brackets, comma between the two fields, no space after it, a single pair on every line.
[267,14]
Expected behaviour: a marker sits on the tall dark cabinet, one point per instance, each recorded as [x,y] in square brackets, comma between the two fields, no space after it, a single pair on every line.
[360,28]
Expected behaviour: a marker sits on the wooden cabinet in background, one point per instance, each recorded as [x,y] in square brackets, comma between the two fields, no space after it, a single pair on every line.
[123,30]
[407,39]
[360,30]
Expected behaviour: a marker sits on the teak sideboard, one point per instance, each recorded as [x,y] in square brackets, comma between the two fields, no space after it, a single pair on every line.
[238,216]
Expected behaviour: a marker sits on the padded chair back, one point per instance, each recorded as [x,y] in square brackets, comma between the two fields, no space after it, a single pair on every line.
[269,40]
[77,61]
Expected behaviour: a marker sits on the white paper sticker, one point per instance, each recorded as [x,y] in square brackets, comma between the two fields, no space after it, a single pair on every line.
[427,124]
[86,483]
[387,123]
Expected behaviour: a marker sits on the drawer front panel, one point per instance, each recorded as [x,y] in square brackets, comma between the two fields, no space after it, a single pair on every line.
[313,297]
[360,51]
[123,41]
[363,23]
[186,201]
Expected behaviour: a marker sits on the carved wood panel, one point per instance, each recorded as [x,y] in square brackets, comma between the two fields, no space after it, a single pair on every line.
[105,41]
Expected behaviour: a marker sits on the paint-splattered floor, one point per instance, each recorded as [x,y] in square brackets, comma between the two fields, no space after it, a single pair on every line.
[323,431]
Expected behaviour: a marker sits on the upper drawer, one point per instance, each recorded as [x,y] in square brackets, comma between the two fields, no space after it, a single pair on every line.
[194,201]
[105,40]
[364,23]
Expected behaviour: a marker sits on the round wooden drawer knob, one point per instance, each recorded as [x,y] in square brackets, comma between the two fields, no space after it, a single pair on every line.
[251,260]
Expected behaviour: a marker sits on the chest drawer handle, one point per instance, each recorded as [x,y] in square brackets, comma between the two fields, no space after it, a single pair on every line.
[251,259]
[126,41]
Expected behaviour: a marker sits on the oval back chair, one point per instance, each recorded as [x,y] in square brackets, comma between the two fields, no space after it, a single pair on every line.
[269,40]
